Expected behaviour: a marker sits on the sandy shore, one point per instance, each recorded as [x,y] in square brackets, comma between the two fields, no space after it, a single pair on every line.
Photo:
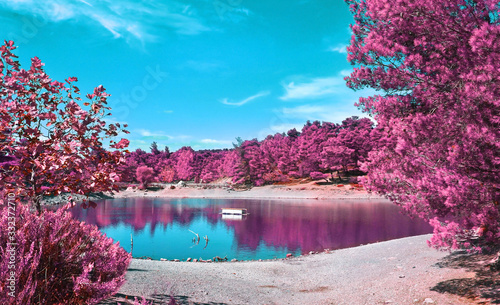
[403,271]
[296,191]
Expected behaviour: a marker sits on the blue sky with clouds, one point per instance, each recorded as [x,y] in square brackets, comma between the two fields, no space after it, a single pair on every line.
[196,73]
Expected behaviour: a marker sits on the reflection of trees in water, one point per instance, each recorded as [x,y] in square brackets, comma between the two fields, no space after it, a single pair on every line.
[136,213]
[335,225]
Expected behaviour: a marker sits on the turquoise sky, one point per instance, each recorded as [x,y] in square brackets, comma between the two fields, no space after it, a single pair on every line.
[196,73]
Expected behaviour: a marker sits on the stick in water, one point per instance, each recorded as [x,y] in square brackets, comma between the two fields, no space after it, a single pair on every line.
[131,243]
[197,236]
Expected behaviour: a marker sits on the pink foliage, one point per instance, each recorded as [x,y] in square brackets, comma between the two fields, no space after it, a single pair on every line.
[439,117]
[318,176]
[167,174]
[145,175]
[320,147]
[54,144]
[184,166]
[58,260]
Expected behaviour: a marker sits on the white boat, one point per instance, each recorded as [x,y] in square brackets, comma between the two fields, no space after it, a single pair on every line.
[234,211]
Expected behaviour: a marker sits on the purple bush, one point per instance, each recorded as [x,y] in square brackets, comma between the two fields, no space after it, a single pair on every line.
[57,259]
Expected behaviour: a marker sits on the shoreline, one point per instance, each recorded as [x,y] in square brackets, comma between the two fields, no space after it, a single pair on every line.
[401,271]
[268,192]
[296,191]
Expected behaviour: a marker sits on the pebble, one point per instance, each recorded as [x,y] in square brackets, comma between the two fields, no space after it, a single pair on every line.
[311,252]
[176,260]
[401,276]
[428,301]
[234,260]
[188,259]
[163,259]
[195,260]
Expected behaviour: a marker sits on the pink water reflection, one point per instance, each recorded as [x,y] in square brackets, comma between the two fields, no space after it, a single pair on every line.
[305,225]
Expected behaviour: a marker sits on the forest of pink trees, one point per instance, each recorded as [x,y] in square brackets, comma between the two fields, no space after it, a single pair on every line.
[319,151]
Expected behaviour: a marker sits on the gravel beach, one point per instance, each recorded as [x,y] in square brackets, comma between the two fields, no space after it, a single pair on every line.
[402,271]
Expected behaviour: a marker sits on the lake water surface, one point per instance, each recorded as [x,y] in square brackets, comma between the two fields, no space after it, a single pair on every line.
[163,228]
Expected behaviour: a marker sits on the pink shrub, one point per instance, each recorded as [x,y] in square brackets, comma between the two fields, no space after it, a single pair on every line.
[275,177]
[259,182]
[167,174]
[57,259]
[145,175]
[318,176]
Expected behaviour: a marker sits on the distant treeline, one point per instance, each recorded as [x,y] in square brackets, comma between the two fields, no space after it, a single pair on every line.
[318,151]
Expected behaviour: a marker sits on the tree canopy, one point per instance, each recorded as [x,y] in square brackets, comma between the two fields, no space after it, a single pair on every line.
[437,67]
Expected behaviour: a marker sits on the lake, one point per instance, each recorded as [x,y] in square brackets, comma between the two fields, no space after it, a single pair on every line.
[166,228]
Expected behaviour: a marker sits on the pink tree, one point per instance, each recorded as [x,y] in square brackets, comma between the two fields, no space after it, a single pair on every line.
[49,145]
[184,163]
[275,150]
[145,175]
[348,146]
[232,166]
[167,172]
[253,163]
[306,149]
[438,65]
[211,166]
[56,144]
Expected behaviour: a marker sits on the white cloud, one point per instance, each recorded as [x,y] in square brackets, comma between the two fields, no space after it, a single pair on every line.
[285,127]
[248,99]
[185,25]
[313,88]
[142,138]
[340,48]
[301,88]
[212,141]
[334,113]
[345,72]
[85,2]
[123,20]
[304,109]
[152,134]
[108,23]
